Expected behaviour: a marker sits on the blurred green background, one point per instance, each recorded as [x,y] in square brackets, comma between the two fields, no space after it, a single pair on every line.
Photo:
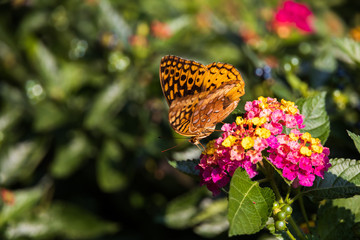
[83,121]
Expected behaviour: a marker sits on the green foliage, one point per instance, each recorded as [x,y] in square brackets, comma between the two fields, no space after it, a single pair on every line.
[356,139]
[316,119]
[341,221]
[186,166]
[81,113]
[207,216]
[61,220]
[341,181]
[249,205]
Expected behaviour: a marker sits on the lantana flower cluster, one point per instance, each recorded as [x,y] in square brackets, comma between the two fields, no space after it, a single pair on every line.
[293,14]
[269,129]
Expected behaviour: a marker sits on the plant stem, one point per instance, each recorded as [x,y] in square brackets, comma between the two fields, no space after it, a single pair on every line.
[296,228]
[302,207]
[290,235]
[276,190]
[288,195]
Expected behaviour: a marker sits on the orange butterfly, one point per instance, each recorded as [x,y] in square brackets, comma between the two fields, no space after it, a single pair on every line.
[199,96]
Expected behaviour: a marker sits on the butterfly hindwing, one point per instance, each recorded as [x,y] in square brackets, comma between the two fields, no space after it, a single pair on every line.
[215,107]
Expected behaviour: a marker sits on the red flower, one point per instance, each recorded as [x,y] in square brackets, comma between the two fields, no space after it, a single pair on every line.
[160,30]
[7,196]
[294,14]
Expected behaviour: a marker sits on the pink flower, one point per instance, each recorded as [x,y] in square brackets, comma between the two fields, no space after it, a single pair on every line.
[247,141]
[293,14]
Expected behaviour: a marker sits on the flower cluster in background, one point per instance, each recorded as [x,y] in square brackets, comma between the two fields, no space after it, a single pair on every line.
[260,134]
[292,15]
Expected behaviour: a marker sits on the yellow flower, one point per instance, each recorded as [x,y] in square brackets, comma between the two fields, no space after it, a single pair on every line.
[240,120]
[306,137]
[293,137]
[247,142]
[292,110]
[287,103]
[262,121]
[316,148]
[263,103]
[263,132]
[210,149]
[315,141]
[305,151]
[255,120]
[262,99]
[229,141]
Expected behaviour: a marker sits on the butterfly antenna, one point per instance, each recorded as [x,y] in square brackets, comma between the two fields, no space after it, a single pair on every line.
[170,148]
[218,130]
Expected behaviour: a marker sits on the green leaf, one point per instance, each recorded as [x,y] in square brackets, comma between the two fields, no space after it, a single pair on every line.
[61,220]
[212,227]
[24,201]
[180,211]
[334,223]
[316,119]
[350,50]
[249,205]
[341,181]
[296,83]
[69,157]
[44,61]
[20,160]
[356,139]
[43,122]
[109,177]
[114,21]
[211,220]
[186,166]
[212,208]
[106,105]
[353,204]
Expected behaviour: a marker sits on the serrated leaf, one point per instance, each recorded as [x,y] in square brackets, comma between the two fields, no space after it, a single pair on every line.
[334,223]
[353,204]
[356,139]
[316,119]
[249,205]
[341,181]
[187,166]
[350,50]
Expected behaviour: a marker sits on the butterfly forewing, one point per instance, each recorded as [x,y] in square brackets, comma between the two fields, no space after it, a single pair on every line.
[180,77]
[199,96]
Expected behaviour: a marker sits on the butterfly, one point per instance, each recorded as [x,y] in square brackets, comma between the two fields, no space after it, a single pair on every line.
[199,96]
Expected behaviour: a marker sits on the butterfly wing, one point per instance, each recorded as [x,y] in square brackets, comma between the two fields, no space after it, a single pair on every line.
[199,96]
[180,77]
[180,115]
[218,74]
[214,107]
